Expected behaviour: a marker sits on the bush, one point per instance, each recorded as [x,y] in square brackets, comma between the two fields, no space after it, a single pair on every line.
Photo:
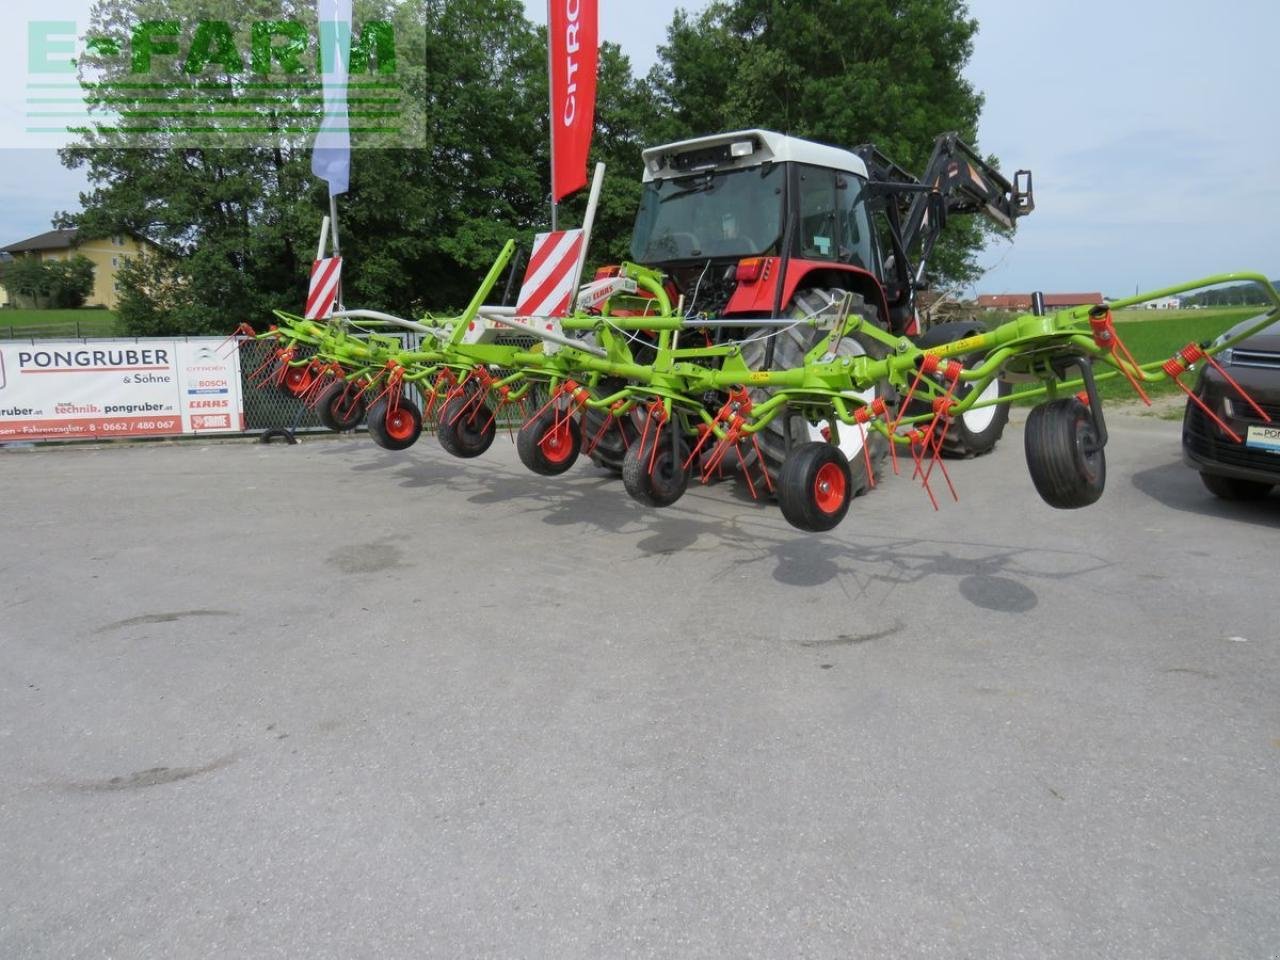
[59,284]
[69,282]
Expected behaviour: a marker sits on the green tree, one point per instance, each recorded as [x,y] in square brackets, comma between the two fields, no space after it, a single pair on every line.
[887,72]
[69,282]
[26,276]
[417,224]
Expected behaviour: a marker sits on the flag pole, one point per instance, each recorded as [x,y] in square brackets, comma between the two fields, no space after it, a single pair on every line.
[588,223]
[551,116]
[337,247]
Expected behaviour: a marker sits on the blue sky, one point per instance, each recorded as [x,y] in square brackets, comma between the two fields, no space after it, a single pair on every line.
[1152,129]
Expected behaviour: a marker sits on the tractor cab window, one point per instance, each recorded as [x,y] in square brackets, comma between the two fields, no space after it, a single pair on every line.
[716,213]
[834,224]
[816,204]
[856,233]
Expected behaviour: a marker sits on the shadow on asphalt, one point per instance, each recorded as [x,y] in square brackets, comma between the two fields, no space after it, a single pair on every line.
[1178,486]
[989,576]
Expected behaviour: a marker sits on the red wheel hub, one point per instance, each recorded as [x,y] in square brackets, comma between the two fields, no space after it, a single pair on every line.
[399,425]
[296,380]
[557,442]
[830,487]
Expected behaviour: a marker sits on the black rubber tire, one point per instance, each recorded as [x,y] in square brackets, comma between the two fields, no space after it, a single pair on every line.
[396,430]
[667,481]
[1067,466]
[554,457]
[974,432]
[612,446]
[340,407]
[466,432]
[278,433]
[1233,488]
[815,487]
[789,351]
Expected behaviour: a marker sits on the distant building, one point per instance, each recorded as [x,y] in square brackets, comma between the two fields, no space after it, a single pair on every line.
[4,294]
[1021,302]
[107,256]
[1165,303]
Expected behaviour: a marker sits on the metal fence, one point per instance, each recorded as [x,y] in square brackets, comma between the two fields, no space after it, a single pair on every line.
[273,408]
[270,407]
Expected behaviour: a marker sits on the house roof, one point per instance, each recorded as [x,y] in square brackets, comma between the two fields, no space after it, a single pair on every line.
[53,240]
[61,240]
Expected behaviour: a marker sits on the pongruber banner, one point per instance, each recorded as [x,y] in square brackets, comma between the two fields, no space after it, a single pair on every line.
[574,35]
[99,389]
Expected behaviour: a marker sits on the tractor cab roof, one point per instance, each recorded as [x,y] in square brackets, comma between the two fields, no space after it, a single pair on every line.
[741,149]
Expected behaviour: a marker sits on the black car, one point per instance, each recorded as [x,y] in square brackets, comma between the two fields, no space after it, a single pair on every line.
[1246,469]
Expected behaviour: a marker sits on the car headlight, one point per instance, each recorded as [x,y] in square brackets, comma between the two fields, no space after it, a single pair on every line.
[1225,356]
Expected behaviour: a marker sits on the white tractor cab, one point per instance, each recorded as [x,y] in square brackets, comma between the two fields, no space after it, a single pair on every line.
[757,224]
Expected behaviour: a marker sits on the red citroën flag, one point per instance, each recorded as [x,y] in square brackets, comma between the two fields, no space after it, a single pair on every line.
[574,37]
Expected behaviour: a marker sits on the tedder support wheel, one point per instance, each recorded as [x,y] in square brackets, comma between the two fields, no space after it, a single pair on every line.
[974,432]
[789,349]
[467,426]
[656,478]
[394,429]
[611,440]
[1232,488]
[341,406]
[549,443]
[816,486]
[1064,454]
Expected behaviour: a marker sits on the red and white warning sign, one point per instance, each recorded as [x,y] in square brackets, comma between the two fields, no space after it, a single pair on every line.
[548,281]
[325,276]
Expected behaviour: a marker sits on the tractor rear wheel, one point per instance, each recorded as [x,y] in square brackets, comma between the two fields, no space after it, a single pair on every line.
[790,347]
[974,432]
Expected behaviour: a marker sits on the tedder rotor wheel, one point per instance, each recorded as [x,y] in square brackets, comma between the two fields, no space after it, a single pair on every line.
[394,429]
[973,432]
[789,349]
[611,440]
[656,478]
[1064,454]
[549,443]
[467,426]
[341,406]
[815,487]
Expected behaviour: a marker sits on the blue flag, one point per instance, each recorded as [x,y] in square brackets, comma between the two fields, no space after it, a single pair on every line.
[331,159]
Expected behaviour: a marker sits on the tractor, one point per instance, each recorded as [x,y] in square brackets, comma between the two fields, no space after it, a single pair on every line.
[755,229]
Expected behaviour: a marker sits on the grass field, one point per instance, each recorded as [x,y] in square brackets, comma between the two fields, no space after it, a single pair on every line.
[23,324]
[1156,334]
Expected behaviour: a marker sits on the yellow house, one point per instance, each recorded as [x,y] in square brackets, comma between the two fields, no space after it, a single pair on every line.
[107,256]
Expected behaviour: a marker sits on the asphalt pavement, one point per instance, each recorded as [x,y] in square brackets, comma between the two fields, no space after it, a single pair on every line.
[326,701]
